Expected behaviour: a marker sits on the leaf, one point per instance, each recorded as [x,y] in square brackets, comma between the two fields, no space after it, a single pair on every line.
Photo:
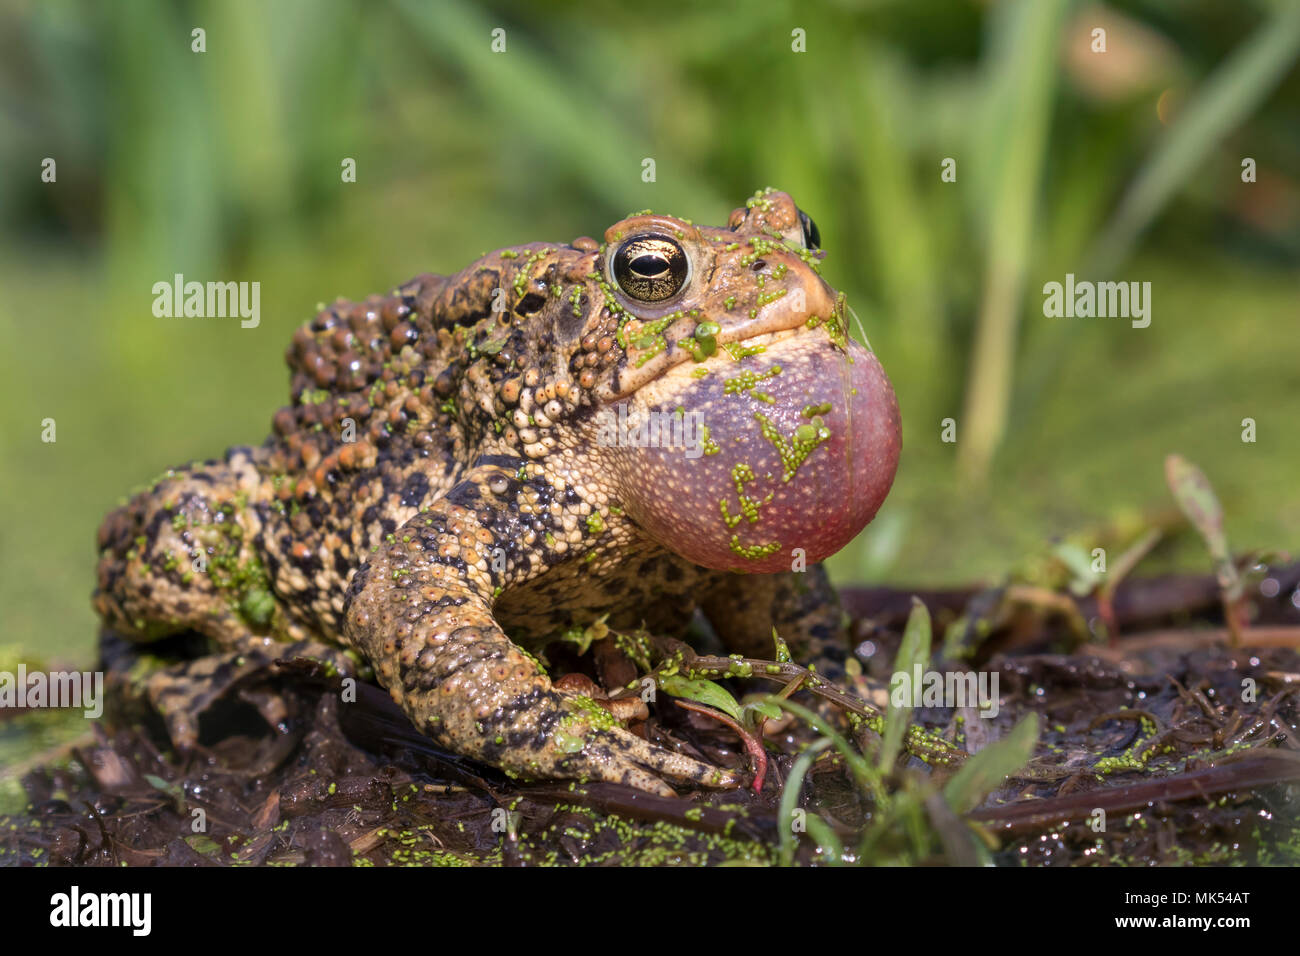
[704,691]
[203,844]
[770,711]
[158,783]
[914,650]
[1196,498]
[1079,563]
[986,770]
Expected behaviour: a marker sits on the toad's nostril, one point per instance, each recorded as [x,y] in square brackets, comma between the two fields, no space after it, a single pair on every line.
[530,304]
[759,265]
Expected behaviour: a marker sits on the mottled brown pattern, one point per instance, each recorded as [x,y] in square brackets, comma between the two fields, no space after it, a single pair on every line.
[440,487]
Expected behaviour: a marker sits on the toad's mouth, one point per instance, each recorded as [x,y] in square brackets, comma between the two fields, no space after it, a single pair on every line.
[769,454]
[653,346]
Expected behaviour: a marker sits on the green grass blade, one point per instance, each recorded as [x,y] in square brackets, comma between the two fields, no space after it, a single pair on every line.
[602,146]
[864,773]
[1010,159]
[821,831]
[914,650]
[986,770]
[1223,102]
[790,797]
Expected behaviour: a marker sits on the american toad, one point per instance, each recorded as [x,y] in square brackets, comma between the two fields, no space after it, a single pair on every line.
[669,420]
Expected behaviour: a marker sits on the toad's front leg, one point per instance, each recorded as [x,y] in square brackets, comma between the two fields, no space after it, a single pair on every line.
[421,611]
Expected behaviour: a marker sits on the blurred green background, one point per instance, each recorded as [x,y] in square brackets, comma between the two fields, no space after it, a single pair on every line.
[226,165]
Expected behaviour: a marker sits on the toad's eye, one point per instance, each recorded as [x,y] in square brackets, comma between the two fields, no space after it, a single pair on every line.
[650,268]
[812,237]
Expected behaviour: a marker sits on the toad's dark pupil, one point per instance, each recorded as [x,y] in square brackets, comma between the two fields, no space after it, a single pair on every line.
[650,268]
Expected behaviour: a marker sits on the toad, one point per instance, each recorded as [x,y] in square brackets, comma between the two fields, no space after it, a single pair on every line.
[671,421]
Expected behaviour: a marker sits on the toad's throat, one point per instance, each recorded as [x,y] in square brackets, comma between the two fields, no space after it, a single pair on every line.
[781,457]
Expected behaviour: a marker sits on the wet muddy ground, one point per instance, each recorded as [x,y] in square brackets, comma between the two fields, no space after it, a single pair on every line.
[1166,747]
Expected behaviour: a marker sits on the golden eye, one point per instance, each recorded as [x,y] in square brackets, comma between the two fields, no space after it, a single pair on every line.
[650,268]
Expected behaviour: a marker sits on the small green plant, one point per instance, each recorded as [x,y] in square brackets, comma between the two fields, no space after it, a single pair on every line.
[913,815]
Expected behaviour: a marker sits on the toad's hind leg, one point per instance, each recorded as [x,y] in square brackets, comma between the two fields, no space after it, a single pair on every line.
[182,558]
[421,611]
[181,689]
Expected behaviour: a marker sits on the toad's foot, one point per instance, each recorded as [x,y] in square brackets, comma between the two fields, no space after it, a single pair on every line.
[462,682]
[587,744]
